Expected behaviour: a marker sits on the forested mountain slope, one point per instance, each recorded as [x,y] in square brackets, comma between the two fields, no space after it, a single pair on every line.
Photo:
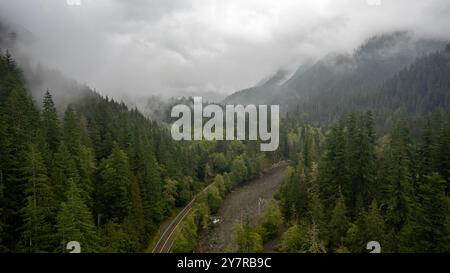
[99,173]
[417,91]
[358,186]
[338,77]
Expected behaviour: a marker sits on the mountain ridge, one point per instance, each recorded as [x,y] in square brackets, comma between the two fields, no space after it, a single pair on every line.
[343,74]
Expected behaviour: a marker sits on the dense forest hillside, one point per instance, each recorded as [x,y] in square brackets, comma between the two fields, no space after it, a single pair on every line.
[355,186]
[100,173]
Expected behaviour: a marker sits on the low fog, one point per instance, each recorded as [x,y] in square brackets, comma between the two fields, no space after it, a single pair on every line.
[139,48]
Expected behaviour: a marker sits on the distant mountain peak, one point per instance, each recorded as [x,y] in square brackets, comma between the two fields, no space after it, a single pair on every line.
[276,79]
[341,74]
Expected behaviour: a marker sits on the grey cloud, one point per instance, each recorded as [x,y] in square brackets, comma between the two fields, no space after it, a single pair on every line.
[141,47]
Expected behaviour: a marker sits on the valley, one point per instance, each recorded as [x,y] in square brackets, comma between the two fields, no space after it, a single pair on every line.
[245,203]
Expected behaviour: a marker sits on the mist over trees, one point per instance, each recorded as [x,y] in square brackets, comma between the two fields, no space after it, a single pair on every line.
[99,173]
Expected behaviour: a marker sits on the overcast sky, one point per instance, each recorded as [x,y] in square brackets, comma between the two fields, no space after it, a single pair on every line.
[145,47]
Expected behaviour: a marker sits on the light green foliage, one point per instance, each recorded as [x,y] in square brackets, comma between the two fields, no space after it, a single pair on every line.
[186,239]
[239,170]
[271,220]
[214,199]
[247,240]
[293,240]
[219,182]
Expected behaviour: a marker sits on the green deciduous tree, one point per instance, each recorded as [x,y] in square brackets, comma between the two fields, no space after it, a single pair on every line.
[247,240]
[214,199]
[186,238]
[239,170]
[294,240]
[271,220]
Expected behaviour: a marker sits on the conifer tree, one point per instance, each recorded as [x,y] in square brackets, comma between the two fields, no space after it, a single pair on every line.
[316,245]
[399,183]
[114,187]
[50,124]
[374,225]
[20,127]
[300,193]
[75,222]
[2,186]
[135,222]
[443,156]
[72,131]
[39,211]
[338,222]
[87,167]
[333,167]
[317,214]
[152,189]
[431,226]
[426,151]
[63,168]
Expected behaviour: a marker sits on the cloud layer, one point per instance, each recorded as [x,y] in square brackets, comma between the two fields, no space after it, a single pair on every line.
[140,47]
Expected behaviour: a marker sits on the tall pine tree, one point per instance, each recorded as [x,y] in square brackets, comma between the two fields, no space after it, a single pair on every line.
[50,124]
[75,222]
[113,189]
[431,231]
[39,212]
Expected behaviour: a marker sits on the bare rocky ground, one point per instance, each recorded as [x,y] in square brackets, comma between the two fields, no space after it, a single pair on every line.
[244,203]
